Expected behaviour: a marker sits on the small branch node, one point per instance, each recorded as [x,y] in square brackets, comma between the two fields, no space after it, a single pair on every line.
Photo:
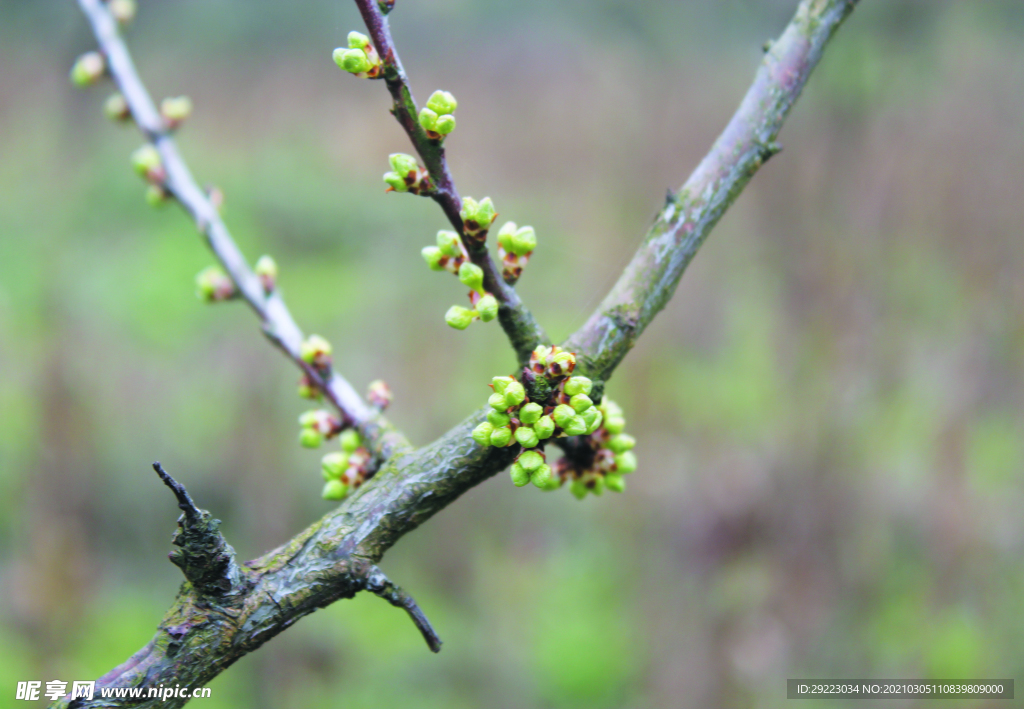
[185,503]
[380,585]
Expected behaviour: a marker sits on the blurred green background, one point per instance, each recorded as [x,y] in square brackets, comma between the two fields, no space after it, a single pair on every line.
[829,412]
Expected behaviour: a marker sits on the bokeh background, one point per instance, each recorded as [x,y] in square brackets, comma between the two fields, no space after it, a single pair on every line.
[830,413]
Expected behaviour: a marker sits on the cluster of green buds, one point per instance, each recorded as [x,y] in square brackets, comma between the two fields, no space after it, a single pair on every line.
[406,175]
[88,69]
[515,246]
[450,255]
[147,163]
[122,10]
[175,110]
[347,469]
[266,270]
[604,457]
[437,118]
[477,218]
[359,58]
[318,425]
[213,285]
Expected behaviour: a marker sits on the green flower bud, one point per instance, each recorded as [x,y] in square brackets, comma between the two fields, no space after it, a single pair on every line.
[561,364]
[615,483]
[122,10]
[487,307]
[500,383]
[350,440]
[307,390]
[590,415]
[316,350]
[482,433]
[625,462]
[88,69]
[526,437]
[614,424]
[428,119]
[396,182]
[578,385]
[146,160]
[444,125]
[309,419]
[515,393]
[213,284]
[505,239]
[531,460]
[501,437]
[576,427]
[449,243]
[578,489]
[176,110]
[357,40]
[472,276]
[378,393]
[310,438]
[520,476]
[498,419]
[485,213]
[432,255]
[402,163]
[156,196]
[116,108]
[563,415]
[523,241]
[442,102]
[531,413]
[544,428]
[592,426]
[334,490]
[598,486]
[622,443]
[266,270]
[497,401]
[459,317]
[334,464]
[353,61]
[580,403]
[469,207]
[542,477]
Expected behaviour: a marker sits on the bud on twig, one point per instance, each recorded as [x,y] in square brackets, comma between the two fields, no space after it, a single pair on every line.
[266,270]
[116,108]
[487,307]
[316,351]
[88,69]
[213,285]
[436,117]
[459,317]
[122,10]
[477,218]
[175,110]
[147,163]
[379,394]
[406,175]
[472,276]
[360,58]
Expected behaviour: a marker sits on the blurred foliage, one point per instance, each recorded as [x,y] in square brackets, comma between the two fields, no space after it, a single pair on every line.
[829,413]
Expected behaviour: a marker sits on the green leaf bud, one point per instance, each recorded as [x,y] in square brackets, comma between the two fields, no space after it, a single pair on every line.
[266,270]
[316,350]
[501,437]
[449,243]
[578,489]
[334,464]
[428,119]
[526,437]
[497,401]
[146,160]
[442,102]
[472,276]
[122,10]
[350,440]
[531,413]
[622,443]
[116,108]
[520,476]
[88,69]
[482,433]
[353,61]
[615,483]
[541,477]
[487,307]
[334,490]
[500,383]
[563,414]
[357,40]
[614,424]
[625,462]
[515,393]
[396,182]
[505,239]
[544,428]
[432,255]
[459,317]
[578,385]
[310,438]
[595,424]
[444,125]
[576,427]
[531,460]
[580,403]
[402,163]
[498,419]
[523,241]
[156,196]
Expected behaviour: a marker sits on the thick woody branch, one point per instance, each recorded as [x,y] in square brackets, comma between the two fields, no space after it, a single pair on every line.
[518,322]
[689,215]
[335,558]
[276,320]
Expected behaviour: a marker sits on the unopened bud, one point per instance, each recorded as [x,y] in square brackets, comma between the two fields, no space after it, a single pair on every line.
[317,351]
[334,464]
[308,390]
[428,120]
[477,218]
[530,460]
[520,476]
[523,241]
[266,270]
[615,483]
[544,428]
[497,402]
[402,163]
[621,443]
[498,418]
[212,284]
[88,69]
[563,414]
[580,403]
[577,385]
[354,61]
[527,437]
[432,255]
[487,307]
[176,110]
[472,276]
[334,490]
[146,162]
[543,477]
[500,383]
[350,440]
[445,125]
[442,103]
[449,243]
[482,433]
[395,182]
[357,40]
[576,427]
[459,317]
[378,393]
[116,108]
[593,418]
[156,196]
[531,413]
[625,462]
[505,235]
[614,424]
[515,393]
[561,364]
[578,489]
[501,437]
[310,438]
[122,10]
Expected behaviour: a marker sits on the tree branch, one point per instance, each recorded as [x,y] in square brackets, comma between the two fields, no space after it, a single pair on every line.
[518,322]
[277,321]
[201,635]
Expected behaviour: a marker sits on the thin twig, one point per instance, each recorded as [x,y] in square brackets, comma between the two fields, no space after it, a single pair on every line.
[518,322]
[380,585]
[185,503]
